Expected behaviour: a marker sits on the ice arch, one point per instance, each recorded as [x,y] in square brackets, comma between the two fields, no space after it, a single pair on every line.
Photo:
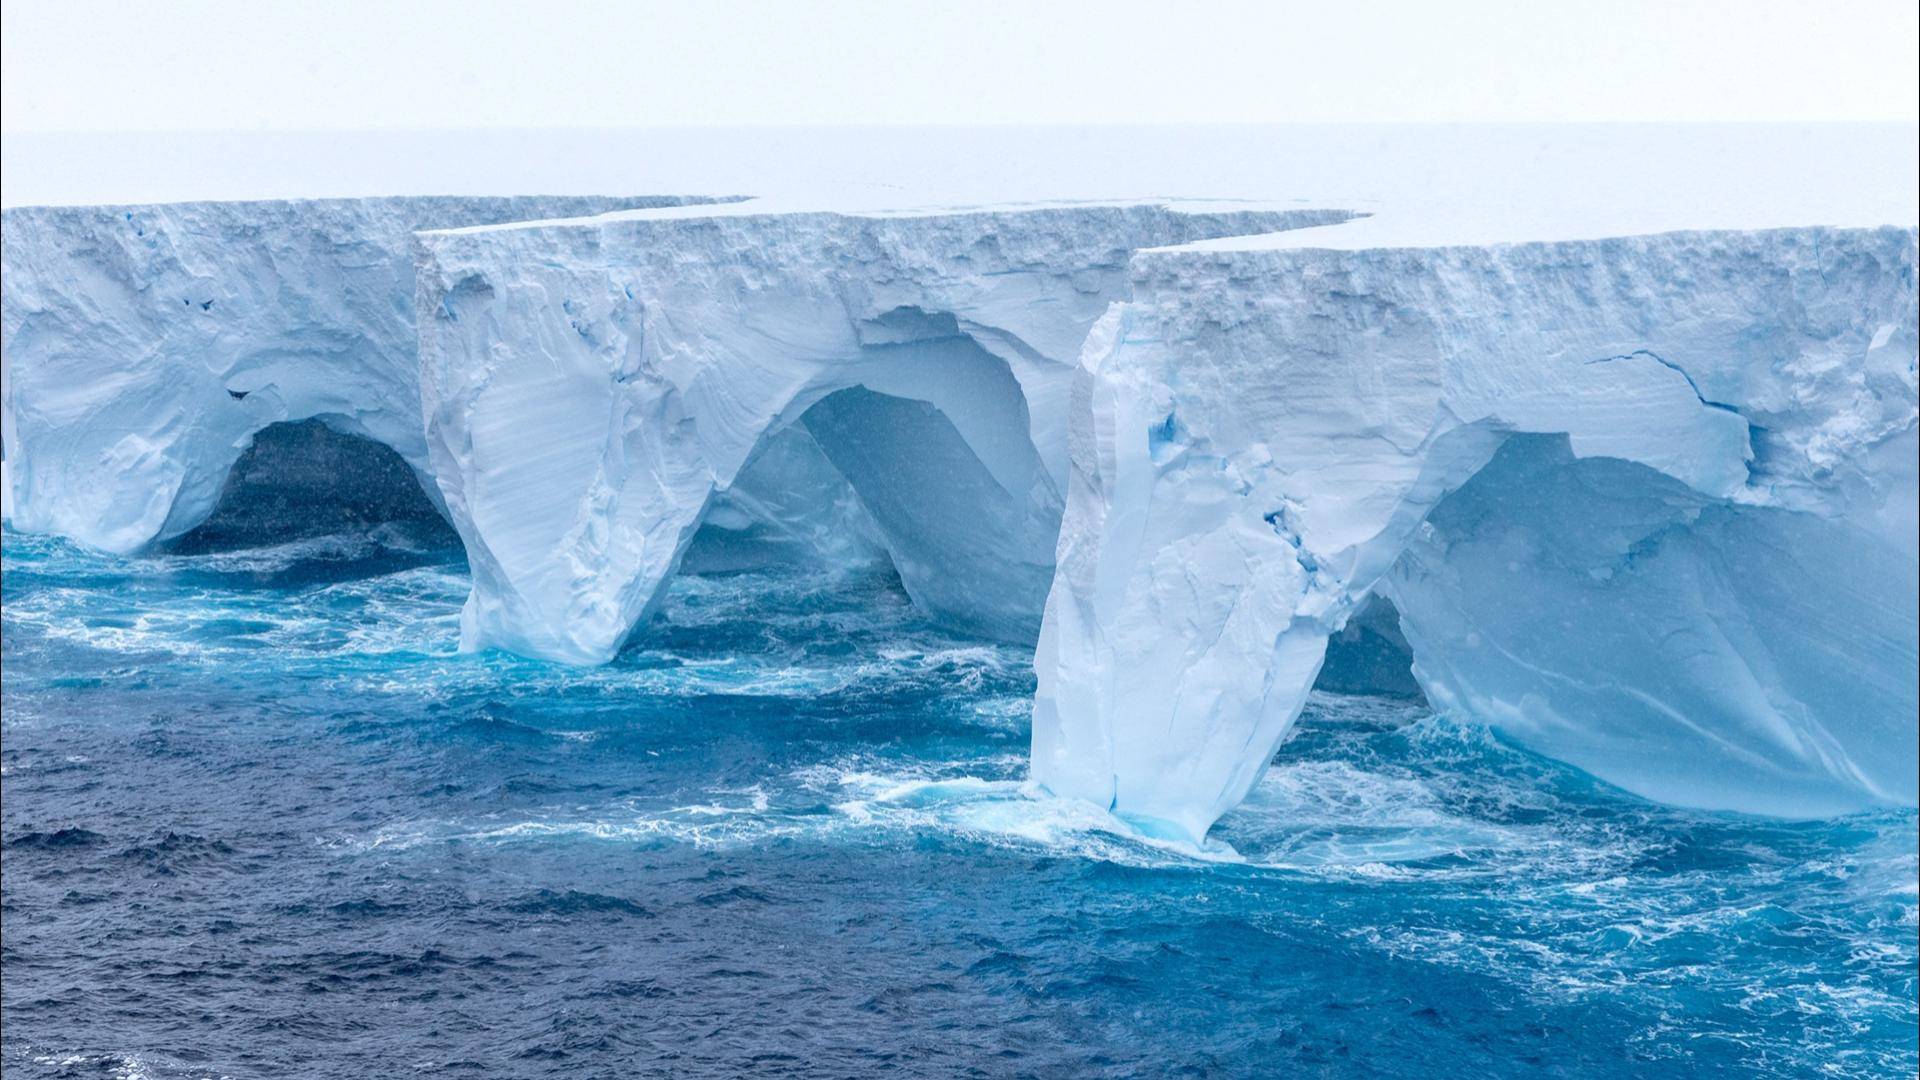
[591,387]
[146,345]
[933,436]
[1263,438]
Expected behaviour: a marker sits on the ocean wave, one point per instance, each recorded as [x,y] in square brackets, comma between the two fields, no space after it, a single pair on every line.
[395,631]
[1310,817]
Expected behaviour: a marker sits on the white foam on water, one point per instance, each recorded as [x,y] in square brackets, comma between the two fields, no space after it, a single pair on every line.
[1317,818]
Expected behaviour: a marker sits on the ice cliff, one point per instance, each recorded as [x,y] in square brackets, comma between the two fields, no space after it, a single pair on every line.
[1644,504]
[146,345]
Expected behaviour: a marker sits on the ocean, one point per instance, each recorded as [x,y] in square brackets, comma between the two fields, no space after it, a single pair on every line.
[262,820]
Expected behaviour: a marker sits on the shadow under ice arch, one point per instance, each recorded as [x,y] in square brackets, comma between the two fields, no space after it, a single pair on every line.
[299,479]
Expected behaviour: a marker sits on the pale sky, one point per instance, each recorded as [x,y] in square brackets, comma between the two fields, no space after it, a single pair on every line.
[215,65]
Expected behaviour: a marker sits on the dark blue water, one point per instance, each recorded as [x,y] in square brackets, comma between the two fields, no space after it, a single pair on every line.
[261,821]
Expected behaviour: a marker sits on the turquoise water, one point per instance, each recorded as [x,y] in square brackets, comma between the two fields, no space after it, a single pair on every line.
[260,819]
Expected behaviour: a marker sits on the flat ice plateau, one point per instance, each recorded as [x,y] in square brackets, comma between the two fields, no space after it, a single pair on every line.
[1622,424]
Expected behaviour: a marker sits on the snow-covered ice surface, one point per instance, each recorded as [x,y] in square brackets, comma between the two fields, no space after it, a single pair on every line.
[1508,182]
[1621,418]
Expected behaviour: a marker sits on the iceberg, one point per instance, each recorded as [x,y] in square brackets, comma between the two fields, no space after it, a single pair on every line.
[1645,504]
